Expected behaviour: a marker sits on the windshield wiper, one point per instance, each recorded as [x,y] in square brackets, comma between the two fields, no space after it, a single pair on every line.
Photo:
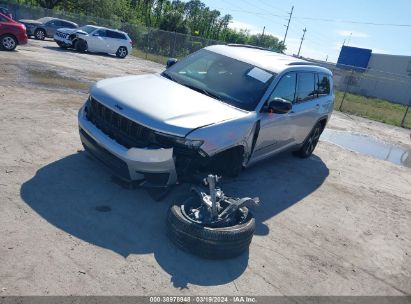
[204,91]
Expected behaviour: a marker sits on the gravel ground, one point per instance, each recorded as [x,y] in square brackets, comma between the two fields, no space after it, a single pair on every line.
[338,223]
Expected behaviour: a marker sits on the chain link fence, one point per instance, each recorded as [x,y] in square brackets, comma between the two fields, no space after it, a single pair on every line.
[150,43]
[377,95]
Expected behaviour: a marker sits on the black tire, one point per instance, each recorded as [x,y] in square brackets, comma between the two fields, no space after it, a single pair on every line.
[8,42]
[122,52]
[206,242]
[310,142]
[40,34]
[80,45]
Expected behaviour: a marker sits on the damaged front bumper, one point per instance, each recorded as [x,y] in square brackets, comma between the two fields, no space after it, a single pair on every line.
[153,167]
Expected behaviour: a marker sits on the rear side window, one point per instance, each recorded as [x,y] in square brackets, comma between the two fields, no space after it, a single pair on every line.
[2,19]
[306,87]
[323,85]
[67,24]
[116,35]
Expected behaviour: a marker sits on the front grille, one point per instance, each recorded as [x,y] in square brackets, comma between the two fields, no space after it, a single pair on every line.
[123,130]
[129,133]
[61,35]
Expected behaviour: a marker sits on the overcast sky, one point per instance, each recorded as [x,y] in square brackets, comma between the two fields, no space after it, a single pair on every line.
[326,37]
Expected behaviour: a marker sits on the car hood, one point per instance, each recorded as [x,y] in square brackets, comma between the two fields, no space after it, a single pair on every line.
[162,104]
[66,30]
[28,21]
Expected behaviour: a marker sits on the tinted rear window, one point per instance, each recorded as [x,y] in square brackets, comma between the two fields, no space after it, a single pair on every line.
[116,35]
[323,85]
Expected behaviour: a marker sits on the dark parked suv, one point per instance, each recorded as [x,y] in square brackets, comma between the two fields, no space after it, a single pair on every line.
[46,27]
[12,33]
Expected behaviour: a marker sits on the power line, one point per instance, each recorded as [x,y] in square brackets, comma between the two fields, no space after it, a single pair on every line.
[353,22]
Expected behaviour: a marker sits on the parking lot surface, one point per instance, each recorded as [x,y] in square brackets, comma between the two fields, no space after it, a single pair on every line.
[338,223]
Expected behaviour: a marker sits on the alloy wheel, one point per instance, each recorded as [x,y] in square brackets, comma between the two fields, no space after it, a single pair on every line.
[122,52]
[313,141]
[8,43]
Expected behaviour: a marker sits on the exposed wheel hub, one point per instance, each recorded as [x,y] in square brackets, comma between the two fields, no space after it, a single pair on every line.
[216,209]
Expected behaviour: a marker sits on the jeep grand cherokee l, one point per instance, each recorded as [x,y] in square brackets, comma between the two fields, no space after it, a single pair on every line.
[220,109]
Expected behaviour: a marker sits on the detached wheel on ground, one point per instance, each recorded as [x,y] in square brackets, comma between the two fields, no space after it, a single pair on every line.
[80,45]
[40,34]
[122,52]
[8,42]
[311,142]
[208,242]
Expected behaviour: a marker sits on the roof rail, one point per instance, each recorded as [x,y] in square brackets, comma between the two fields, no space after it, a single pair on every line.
[300,63]
[248,46]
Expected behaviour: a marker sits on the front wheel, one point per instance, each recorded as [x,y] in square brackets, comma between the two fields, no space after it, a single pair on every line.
[8,42]
[80,46]
[311,142]
[122,52]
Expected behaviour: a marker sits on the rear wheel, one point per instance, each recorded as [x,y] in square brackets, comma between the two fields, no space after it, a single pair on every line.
[122,52]
[311,142]
[40,34]
[8,42]
[80,46]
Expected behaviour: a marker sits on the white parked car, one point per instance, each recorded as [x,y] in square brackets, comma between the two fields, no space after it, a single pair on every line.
[95,39]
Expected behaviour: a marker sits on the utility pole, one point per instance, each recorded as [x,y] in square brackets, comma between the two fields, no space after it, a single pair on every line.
[262,36]
[288,24]
[301,43]
[349,39]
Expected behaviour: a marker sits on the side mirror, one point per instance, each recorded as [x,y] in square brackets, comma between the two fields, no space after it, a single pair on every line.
[279,105]
[170,62]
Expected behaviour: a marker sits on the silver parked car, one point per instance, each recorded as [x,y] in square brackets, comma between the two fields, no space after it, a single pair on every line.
[218,110]
[46,26]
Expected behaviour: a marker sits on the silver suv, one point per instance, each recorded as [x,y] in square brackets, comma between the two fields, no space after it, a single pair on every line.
[218,110]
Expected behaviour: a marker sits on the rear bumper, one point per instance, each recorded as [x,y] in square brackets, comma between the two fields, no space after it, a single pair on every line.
[155,167]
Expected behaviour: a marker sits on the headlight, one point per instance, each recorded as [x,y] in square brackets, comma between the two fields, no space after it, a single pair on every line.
[189,143]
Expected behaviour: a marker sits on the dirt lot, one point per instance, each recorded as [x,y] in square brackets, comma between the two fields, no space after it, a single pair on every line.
[338,223]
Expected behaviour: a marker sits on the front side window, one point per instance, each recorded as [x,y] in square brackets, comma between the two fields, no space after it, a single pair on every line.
[3,19]
[224,78]
[285,88]
[305,87]
[323,85]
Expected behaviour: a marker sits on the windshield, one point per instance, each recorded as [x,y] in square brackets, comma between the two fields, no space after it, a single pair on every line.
[229,80]
[88,29]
